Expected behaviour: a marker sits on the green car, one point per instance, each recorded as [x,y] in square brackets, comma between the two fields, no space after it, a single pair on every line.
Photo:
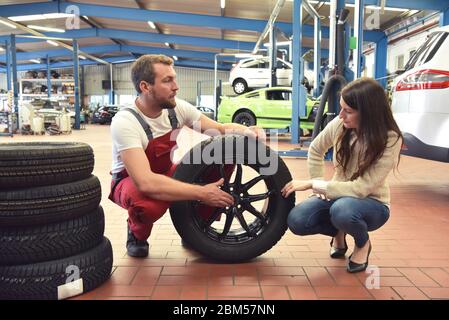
[269,108]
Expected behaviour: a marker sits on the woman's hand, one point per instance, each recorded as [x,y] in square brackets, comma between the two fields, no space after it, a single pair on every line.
[296,185]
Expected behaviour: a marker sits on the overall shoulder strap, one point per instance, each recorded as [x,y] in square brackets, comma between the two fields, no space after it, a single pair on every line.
[173,119]
[142,122]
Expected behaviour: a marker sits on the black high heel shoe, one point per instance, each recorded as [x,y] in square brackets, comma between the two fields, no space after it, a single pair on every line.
[358,267]
[336,253]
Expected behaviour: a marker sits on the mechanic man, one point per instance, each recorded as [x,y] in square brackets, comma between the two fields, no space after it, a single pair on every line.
[142,142]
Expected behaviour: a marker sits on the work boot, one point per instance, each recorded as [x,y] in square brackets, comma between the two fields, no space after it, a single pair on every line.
[136,248]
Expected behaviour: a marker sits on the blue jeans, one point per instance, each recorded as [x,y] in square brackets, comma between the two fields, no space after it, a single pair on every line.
[353,216]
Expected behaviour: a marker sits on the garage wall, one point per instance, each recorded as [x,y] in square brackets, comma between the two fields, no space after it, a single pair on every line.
[399,52]
[187,81]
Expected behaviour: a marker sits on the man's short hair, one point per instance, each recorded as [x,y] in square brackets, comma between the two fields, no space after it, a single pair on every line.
[142,69]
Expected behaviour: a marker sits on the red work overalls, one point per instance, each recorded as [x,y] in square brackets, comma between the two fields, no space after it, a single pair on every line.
[142,210]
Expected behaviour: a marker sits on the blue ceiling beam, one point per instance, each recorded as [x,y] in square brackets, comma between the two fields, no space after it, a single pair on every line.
[160,16]
[140,15]
[68,34]
[179,18]
[125,48]
[68,64]
[170,52]
[62,52]
[370,36]
[162,38]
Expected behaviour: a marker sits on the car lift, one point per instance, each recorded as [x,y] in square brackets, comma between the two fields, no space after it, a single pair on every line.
[338,52]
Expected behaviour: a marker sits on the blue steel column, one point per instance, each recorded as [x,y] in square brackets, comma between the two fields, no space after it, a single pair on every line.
[358,33]
[297,75]
[77,80]
[8,65]
[380,64]
[444,17]
[14,79]
[48,77]
[317,55]
[273,57]
[111,92]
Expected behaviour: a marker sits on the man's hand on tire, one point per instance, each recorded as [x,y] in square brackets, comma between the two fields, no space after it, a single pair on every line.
[215,197]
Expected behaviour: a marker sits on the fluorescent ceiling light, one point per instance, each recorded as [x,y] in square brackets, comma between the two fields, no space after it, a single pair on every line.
[167,44]
[151,24]
[82,57]
[223,4]
[46,28]
[1,49]
[8,24]
[175,58]
[52,43]
[35,60]
[41,16]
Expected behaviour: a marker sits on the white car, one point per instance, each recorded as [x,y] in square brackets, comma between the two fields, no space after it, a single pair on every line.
[420,99]
[256,73]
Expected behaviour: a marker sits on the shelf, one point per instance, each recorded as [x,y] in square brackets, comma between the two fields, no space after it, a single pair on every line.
[51,80]
[53,95]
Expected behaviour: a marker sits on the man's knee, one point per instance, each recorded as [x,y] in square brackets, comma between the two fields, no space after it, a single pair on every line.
[148,211]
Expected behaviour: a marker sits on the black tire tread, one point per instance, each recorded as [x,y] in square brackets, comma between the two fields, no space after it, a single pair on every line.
[41,280]
[44,163]
[31,244]
[47,204]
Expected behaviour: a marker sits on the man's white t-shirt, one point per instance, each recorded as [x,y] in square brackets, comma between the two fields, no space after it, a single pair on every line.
[127,132]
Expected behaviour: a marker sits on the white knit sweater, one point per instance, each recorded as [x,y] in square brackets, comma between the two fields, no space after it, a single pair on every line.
[373,183]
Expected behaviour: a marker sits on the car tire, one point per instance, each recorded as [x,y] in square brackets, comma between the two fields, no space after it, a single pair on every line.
[245,118]
[240,86]
[46,204]
[34,164]
[45,280]
[32,244]
[252,238]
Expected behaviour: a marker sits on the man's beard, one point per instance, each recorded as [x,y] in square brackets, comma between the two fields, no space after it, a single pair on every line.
[167,104]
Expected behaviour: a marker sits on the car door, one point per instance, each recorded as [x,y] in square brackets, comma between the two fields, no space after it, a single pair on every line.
[262,73]
[251,72]
[278,110]
[283,73]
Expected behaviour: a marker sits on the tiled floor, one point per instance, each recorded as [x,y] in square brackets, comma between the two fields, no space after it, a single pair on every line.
[410,253]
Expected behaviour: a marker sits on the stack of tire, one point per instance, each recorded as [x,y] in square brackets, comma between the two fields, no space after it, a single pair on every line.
[51,223]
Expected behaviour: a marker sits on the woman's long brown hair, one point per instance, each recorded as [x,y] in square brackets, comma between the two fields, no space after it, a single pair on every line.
[375,120]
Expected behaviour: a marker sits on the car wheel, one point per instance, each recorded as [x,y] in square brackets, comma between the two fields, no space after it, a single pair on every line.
[245,118]
[240,86]
[258,218]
